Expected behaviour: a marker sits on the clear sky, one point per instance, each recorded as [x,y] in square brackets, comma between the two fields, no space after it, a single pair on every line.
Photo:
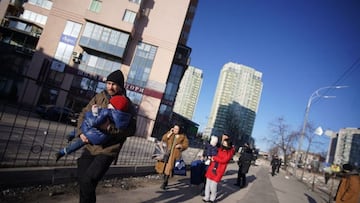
[299,46]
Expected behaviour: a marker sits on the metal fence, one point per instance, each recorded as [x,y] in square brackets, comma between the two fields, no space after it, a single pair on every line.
[27,140]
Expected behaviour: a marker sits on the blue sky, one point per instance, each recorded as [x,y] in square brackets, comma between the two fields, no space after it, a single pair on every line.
[299,46]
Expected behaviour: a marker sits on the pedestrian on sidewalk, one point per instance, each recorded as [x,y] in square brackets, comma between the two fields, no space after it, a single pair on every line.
[349,186]
[244,162]
[95,160]
[224,136]
[224,155]
[210,150]
[274,164]
[116,112]
[327,173]
[278,166]
[176,142]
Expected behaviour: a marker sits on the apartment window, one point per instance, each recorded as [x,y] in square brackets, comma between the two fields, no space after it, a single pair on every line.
[42,3]
[72,29]
[140,69]
[95,6]
[67,41]
[104,39]
[142,63]
[129,16]
[173,82]
[20,26]
[64,52]
[35,17]
[135,1]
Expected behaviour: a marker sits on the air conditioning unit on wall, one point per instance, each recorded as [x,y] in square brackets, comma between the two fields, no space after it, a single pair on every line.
[77,57]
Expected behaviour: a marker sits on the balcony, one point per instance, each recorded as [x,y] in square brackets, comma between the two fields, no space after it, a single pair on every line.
[16,24]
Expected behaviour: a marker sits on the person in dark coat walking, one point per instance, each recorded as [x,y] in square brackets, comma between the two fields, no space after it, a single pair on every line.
[95,160]
[278,166]
[274,164]
[244,163]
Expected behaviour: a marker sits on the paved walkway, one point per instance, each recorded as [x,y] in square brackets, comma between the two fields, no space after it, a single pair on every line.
[262,188]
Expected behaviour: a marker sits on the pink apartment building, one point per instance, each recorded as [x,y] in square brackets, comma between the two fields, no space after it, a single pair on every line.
[71,46]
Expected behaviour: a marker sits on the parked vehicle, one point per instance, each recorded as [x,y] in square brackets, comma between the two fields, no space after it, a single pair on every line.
[57,113]
[42,109]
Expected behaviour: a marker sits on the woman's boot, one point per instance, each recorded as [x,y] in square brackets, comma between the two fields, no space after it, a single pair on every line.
[165,183]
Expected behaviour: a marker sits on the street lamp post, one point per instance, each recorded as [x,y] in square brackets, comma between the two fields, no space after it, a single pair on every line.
[315,94]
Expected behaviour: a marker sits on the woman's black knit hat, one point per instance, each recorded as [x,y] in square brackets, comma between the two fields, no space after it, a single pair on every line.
[116,77]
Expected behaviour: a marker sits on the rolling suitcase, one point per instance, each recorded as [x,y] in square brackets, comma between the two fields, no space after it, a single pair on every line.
[197,172]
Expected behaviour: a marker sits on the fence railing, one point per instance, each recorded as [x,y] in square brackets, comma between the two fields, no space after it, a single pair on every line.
[27,140]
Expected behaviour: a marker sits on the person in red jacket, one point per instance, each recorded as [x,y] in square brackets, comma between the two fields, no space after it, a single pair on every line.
[224,155]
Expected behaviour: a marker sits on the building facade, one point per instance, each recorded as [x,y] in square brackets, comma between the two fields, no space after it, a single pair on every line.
[76,44]
[330,156]
[348,146]
[188,94]
[236,102]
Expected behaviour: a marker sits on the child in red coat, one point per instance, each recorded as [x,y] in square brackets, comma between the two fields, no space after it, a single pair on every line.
[224,155]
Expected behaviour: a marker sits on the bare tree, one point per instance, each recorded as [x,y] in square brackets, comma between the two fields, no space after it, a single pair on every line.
[281,138]
[310,137]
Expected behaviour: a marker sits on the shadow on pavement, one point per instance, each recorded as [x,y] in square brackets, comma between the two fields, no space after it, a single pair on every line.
[225,189]
[230,172]
[250,179]
[179,191]
[310,199]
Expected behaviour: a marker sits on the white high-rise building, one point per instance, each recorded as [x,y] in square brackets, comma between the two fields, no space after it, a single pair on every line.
[188,94]
[236,102]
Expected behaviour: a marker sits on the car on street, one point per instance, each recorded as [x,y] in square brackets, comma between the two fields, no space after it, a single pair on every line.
[57,113]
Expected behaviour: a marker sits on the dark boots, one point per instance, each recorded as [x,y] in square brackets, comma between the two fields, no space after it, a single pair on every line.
[165,183]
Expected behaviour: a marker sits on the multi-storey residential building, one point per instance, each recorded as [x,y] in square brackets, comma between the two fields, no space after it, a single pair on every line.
[330,156]
[188,94]
[348,146]
[236,102]
[74,45]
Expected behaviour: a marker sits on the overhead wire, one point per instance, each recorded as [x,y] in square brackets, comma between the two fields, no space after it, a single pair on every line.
[354,66]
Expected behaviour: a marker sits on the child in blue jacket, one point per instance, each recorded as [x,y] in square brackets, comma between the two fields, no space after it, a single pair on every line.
[116,113]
